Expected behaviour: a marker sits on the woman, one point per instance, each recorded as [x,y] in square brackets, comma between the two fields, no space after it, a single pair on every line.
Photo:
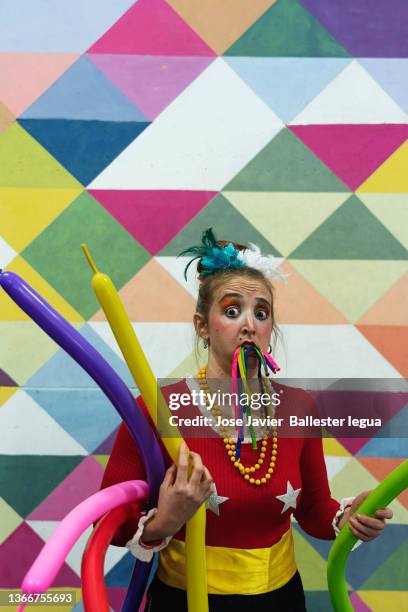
[249,543]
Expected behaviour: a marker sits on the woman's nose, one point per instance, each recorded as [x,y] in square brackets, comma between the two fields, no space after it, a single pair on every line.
[248,325]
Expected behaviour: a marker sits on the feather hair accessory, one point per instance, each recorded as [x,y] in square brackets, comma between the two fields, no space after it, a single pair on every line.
[214,257]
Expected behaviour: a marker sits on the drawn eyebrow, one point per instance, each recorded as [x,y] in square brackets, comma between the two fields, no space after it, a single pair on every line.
[240,296]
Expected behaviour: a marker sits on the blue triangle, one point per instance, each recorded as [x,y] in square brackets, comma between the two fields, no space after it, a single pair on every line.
[84,148]
[61,371]
[392,75]
[287,85]
[385,447]
[86,414]
[120,574]
[84,92]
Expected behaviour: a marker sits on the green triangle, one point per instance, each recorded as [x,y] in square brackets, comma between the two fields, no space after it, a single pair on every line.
[286,164]
[26,480]
[311,564]
[25,163]
[392,574]
[351,232]
[190,365]
[227,223]
[102,459]
[287,29]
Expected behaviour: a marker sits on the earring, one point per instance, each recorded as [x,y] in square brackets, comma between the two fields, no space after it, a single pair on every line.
[269,350]
[205,343]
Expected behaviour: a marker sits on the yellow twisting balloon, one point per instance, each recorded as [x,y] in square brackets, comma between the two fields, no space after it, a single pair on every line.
[145,380]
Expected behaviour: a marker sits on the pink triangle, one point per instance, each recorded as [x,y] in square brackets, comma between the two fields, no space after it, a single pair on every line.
[81,483]
[116,597]
[151,27]
[352,152]
[19,552]
[25,76]
[153,217]
[151,82]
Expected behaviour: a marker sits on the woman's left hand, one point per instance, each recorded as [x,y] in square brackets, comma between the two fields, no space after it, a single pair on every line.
[365,527]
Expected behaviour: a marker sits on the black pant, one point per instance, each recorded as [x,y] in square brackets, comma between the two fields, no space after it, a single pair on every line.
[288,598]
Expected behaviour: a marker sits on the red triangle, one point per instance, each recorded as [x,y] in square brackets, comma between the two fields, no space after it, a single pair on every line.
[151,27]
[352,152]
[391,341]
[153,217]
[380,467]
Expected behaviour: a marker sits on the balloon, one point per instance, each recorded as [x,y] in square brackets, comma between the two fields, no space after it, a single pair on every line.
[380,497]
[86,356]
[196,570]
[94,595]
[46,566]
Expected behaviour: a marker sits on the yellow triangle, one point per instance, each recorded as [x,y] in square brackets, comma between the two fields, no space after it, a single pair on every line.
[378,601]
[102,459]
[10,520]
[9,311]
[332,447]
[6,393]
[353,479]
[392,176]
[25,213]
[286,219]
[392,210]
[353,286]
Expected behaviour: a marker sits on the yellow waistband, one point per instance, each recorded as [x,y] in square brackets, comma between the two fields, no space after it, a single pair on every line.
[234,570]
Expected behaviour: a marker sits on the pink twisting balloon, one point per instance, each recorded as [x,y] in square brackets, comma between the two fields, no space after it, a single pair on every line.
[44,569]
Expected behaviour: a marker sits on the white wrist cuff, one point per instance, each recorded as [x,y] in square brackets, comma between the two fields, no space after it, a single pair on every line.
[141,552]
[344,503]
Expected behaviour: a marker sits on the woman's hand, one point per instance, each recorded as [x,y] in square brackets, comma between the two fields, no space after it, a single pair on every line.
[179,496]
[365,527]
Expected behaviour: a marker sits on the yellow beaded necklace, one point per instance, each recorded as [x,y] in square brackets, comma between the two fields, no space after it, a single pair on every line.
[247,473]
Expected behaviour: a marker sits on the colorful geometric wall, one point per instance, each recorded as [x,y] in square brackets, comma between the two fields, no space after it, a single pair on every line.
[132,126]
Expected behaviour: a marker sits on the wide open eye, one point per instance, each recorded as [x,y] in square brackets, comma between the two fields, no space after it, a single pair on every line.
[262,314]
[232,311]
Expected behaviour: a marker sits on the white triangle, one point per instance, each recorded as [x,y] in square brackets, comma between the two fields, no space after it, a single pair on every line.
[200,141]
[175,267]
[26,429]
[7,254]
[314,352]
[334,465]
[165,344]
[353,97]
[45,529]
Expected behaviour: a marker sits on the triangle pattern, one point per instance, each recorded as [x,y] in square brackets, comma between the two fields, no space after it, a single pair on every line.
[85,148]
[25,76]
[6,117]
[227,223]
[7,253]
[175,267]
[287,85]
[391,341]
[391,308]
[295,215]
[153,217]
[287,29]
[352,152]
[10,520]
[220,24]
[143,300]
[392,210]
[182,158]
[348,24]
[351,232]
[380,467]
[352,97]
[151,27]
[6,380]
[297,301]
[392,574]
[285,164]
[19,417]
[31,210]
[84,93]
[150,82]
[80,484]
[391,74]
[352,286]
[391,177]
[25,163]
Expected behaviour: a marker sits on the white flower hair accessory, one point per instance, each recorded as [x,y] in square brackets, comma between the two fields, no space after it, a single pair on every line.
[268,265]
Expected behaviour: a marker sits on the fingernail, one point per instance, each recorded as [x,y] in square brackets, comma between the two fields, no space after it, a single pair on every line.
[358,516]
